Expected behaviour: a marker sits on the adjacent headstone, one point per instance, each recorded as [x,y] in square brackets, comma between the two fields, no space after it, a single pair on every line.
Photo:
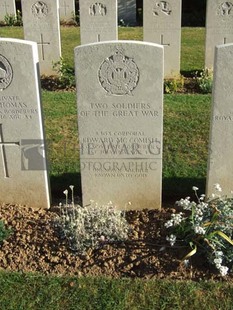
[98,21]
[41,24]
[23,168]
[162,25]
[120,117]
[127,12]
[7,7]
[67,10]
[220,165]
[219,27]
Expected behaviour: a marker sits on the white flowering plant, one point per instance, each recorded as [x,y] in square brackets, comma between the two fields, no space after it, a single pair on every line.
[91,226]
[207,227]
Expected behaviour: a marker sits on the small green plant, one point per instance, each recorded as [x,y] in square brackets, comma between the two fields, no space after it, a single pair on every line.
[207,227]
[14,20]
[174,85]
[65,72]
[90,226]
[205,81]
[4,232]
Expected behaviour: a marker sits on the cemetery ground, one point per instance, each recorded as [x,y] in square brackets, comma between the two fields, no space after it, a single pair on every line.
[34,245]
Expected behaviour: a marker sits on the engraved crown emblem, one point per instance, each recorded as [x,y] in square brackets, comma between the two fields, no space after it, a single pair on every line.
[118,74]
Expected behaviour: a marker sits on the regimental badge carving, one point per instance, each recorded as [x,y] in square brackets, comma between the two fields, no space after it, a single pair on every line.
[39,9]
[118,74]
[162,7]
[6,73]
[98,9]
[225,8]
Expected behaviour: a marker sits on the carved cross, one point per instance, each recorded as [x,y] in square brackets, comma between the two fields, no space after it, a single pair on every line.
[5,5]
[162,43]
[42,43]
[65,6]
[3,144]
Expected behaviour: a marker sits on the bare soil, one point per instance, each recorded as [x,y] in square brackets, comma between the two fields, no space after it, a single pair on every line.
[36,246]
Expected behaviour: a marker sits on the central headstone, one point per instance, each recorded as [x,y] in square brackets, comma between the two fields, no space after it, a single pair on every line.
[219,27]
[162,25]
[23,168]
[98,21]
[120,117]
[41,24]
[7,7]
[220,167]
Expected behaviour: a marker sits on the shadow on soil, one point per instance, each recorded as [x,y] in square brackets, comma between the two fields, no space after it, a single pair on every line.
[173,189]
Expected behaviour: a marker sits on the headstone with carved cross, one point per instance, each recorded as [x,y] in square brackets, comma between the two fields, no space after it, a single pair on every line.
[120,117]
[162,25]
[219,27]
[66,10]
[98,20]
[41,24]
[7,7]
[23,167]
[127,10]
[220,164]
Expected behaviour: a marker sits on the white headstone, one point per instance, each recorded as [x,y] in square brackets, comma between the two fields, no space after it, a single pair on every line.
[7,7]
[98,20]
[162,25]
[120,117]
[67,10]
[220,165]
[23,168]
[127,11]
[219,27]
[41,24]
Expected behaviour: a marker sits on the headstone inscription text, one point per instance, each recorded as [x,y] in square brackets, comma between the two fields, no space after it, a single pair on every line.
[21,121]
[219,27]
[120,122]
[162,25]
[41,24]
[98,21]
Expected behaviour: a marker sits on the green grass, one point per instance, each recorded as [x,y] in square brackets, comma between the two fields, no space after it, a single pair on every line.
[186,133]
[192,51]
[20,291]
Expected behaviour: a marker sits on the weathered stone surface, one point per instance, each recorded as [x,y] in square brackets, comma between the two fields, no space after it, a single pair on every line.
[219,27]
[23,168]
[98,21]
[220,165]
[127,12]
[7,7]
[66,10]
[162,25]
[41,24]
[120,112]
